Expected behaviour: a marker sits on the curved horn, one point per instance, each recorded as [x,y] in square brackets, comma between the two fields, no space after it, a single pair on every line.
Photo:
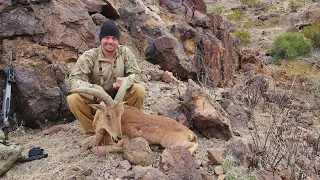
[96,93]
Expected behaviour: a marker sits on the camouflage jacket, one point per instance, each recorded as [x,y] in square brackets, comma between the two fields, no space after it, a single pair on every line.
[85,73]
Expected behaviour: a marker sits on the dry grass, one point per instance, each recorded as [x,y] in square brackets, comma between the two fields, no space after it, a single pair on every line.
[302,67]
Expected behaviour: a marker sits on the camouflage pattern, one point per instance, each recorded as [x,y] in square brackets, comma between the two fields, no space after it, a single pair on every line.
[9,154]
[85,73]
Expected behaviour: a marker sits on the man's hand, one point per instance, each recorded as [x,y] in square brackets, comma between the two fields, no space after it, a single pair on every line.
[118,83]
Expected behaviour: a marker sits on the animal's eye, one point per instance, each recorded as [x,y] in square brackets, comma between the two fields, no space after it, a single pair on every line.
[107,115]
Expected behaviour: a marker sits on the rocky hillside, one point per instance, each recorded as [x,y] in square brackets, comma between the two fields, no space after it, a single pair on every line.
[265,20]
[264,116]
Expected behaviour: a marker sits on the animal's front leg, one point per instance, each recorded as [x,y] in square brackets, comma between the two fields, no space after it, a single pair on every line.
[123,139]
[88,143]
[103,150]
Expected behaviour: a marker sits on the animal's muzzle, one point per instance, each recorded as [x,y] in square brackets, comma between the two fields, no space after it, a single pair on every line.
[119,138]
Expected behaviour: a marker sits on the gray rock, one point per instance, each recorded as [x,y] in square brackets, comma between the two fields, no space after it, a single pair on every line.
[148,173]
[180,164]
[8,155]
[137,151]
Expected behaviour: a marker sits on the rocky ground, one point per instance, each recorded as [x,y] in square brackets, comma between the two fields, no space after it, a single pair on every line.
[66,159]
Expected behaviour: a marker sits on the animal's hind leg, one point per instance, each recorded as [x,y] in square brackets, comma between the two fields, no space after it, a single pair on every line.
[191,146]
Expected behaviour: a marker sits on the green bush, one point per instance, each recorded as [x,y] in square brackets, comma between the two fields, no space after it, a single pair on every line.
[217,10]
[294,6]
[243,36]
[313,34]
[290,46]
[235,172]
[236,15]
[247,24]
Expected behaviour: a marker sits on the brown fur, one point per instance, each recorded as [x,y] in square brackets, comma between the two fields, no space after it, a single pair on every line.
[121,121]
[157,130]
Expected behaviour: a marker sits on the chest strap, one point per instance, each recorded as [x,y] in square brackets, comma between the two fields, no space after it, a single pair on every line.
[114,67]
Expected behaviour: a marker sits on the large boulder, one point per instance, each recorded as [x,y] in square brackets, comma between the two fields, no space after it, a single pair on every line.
[50,23]
[208,117]
[199,46]
[39,91]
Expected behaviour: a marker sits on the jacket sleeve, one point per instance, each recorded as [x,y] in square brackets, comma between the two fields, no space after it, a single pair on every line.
[132,69]
[79,74]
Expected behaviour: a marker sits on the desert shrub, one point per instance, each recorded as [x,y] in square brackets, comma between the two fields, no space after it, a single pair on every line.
[271,7]
[250,2]
[294,5]
[243,36]
[236,15]
[235,172]
[265,6]
[302,67]
[313,34]
[290,46]
[247,24]
[217,10]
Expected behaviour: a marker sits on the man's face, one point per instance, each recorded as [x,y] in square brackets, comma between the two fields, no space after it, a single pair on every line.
[109,43]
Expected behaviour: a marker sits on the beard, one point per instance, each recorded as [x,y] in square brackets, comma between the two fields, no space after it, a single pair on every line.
[109,48]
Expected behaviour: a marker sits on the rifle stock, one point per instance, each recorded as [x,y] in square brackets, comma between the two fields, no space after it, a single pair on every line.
[7,98]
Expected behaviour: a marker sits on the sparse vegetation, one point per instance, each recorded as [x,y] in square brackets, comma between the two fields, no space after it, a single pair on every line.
[290,46]
[281,128]
[236,15]
[243,36]
[235,172]
[313,34]
[217,10]
[281,143]
[250,2]
[302,67]
[294,5]
[247,24]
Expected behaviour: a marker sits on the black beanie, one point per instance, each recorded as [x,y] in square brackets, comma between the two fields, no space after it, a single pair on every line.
[109,28]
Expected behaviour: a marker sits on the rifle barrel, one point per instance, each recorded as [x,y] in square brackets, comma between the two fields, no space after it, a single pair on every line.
[11,54]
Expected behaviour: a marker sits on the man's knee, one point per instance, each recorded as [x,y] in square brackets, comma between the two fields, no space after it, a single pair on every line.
[73,99]
[139,91]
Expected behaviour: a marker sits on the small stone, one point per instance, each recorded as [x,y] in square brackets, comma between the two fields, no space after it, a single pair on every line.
[207,177]
[182,119]
[87,172]
[156,164]
[106,175]
[216,155]
[285,174]
[125,165]
[218,170]
[222,176]
[311,178]
[168,77]
[165,167]
[268,175]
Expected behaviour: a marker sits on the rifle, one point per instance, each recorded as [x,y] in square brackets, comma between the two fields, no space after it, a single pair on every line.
[7,98]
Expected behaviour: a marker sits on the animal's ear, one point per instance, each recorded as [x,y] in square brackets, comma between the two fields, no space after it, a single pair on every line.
[119,106]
